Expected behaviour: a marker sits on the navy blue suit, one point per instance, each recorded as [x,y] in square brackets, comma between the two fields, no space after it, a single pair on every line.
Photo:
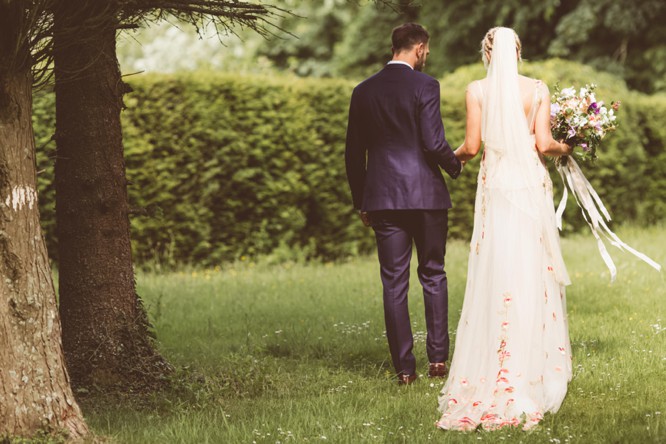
[395,148]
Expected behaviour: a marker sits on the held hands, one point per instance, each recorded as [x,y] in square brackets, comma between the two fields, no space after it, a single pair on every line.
[461,157]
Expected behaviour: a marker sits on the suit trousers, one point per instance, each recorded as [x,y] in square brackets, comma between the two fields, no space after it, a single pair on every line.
[395,231]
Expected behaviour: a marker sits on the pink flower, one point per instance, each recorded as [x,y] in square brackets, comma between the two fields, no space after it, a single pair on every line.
[502,370]
[489,417]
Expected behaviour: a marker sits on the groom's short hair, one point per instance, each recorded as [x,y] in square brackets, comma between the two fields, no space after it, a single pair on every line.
[404,37]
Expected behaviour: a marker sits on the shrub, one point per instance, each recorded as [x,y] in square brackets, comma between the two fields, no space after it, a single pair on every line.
[221,166]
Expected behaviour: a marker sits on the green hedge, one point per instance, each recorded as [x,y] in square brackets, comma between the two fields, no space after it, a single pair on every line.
[222,167]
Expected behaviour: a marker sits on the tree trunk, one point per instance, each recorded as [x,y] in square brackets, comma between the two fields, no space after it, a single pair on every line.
[35,393]
[106,335]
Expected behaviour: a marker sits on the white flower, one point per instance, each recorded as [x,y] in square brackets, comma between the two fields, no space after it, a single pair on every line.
[568,92]
[583,92]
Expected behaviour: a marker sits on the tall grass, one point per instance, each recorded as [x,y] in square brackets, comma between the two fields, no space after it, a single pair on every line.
[296,353]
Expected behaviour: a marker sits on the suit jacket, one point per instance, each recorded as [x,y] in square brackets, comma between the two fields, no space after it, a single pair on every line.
[396,143]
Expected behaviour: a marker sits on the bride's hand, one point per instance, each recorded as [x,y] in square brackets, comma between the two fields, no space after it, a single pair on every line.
[566,149]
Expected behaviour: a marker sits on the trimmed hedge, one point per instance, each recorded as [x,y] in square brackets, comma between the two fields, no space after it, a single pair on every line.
[222,167]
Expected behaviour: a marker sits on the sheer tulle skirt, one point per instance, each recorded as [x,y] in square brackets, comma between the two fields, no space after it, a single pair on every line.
[512,356]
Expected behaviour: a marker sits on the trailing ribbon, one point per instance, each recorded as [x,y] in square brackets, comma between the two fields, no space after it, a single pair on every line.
[594,212]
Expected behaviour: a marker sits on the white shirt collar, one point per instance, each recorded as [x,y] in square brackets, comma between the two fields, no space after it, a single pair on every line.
[396,62]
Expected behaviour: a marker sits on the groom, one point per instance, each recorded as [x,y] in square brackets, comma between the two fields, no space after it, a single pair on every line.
[395,146]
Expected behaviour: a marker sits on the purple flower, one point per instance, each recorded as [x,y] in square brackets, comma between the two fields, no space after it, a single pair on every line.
[571,133]
[554,109]
[585,147]
[594,107]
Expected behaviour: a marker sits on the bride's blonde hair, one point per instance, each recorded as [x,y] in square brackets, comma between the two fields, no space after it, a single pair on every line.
[487,45]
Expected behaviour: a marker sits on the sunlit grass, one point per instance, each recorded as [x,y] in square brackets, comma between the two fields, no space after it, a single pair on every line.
[296,353]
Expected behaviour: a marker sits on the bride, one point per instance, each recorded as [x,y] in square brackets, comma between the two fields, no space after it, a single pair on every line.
[512,358]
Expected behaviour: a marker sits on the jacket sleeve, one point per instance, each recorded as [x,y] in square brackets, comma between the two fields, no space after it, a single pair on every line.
[432,130]
[355,153]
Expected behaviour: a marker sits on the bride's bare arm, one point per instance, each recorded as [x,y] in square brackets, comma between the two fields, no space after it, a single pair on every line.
[544,138]
[472,143]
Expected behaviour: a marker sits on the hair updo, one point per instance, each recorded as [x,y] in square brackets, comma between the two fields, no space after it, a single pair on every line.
[487,45]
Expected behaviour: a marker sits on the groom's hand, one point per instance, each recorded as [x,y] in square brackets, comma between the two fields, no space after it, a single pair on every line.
[365,218]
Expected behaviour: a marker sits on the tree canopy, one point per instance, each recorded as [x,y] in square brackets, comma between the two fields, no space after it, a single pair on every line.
[352,38]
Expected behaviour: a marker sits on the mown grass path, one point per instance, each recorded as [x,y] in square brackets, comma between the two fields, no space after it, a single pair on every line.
[296,353]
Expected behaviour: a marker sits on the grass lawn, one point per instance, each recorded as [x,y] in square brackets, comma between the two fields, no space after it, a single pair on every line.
[296,353]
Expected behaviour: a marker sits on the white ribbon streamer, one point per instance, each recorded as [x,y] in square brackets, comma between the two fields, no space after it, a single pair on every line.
[594,212]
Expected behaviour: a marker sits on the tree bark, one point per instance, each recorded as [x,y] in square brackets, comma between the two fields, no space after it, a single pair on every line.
[106,335]
[35,393]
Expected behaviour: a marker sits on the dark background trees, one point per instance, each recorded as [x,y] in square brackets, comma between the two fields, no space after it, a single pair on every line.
[351,39]
[105,330]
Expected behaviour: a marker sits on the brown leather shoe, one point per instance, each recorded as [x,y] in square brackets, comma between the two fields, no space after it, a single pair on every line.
[407,379]
[438,370]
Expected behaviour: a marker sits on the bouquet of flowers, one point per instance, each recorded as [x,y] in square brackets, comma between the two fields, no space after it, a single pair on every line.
[581,121]
[577,118]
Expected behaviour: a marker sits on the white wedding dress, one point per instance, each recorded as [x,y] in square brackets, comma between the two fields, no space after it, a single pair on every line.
[512,357]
